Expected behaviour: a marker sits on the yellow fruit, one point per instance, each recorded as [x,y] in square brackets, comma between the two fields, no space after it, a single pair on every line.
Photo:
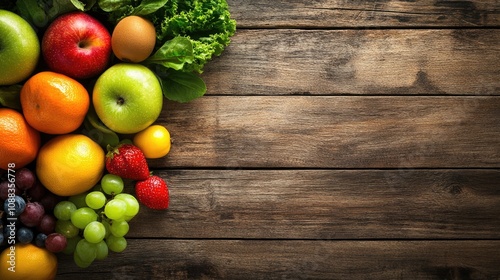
[70,164]
[154,141]
[29,262]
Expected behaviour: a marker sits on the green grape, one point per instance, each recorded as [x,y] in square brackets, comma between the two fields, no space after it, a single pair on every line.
[94,232]
[102,250]
[64,209]
[128,218]
[112,184]
[132,204]
[107,227]
[86,251]
[83,216]
[79,200]
[115,209]
[95,200]
[116,244]
[79,262]
[119,228]
[66,228]
[71,245]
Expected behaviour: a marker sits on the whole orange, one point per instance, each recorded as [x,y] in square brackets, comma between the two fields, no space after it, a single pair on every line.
[20,142]
[27,261]
[70,164]
[54,103]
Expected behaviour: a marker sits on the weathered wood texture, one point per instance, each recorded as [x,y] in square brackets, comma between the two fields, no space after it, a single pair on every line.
[327,204]
[367,62]
[361,14]
[337,140]
[295,259]
[334,132]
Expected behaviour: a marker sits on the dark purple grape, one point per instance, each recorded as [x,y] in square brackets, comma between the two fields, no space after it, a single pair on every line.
[40,239]
[4,190]
[25,179]
[32,214]
[14,206]
[47,224]
[36,192]
[55,242]
[24,235]
[49,201]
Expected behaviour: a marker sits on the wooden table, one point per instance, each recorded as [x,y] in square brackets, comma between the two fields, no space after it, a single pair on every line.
[337,140]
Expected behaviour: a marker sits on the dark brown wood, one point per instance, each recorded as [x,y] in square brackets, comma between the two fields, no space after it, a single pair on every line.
[295,259]
[326,204]
[334,132]
[364,14]
[401,62]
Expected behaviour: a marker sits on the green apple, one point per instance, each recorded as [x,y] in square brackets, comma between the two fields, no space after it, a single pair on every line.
[19,48]
[127,97]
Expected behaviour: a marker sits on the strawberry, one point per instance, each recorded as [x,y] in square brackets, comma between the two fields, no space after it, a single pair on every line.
[127,161]
[153,192]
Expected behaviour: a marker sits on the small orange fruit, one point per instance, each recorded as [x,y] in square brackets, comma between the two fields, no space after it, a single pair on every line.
[27,261]
[54,103]
[70,164]
[153,141]
[20,142]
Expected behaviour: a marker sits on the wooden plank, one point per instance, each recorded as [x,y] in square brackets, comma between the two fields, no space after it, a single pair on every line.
[326,204]
[277,62]
[364,14]
[333,132]
[294,259]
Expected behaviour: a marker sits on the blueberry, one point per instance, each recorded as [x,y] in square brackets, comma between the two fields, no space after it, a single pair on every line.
[40,239]
[14,206]
[24,235]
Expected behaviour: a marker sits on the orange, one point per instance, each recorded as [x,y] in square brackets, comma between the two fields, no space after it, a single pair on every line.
[54,103]
[29,262]
[70,164]
[153,141]
[20,142]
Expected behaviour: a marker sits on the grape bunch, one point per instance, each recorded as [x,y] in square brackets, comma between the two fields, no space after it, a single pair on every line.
[27,212]
[96,222]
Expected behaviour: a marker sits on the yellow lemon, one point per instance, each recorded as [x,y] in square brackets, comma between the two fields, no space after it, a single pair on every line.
[70,164]
[153,141]
[27,261]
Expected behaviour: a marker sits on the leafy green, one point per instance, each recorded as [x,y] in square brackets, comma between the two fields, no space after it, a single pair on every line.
[97,131]
[9,96]
[40,12]
[173,54]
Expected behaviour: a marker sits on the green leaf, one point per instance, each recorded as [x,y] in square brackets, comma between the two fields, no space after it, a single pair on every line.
[98,131]
[149,6]
[182,86]
[79,5]
[112,5]
[9,96]
[173,54]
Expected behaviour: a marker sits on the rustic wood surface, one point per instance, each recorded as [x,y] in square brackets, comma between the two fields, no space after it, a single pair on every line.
[337,140]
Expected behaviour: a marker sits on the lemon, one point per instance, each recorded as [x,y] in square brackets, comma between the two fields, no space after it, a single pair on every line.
[153,141]
[27,261]
[70,164]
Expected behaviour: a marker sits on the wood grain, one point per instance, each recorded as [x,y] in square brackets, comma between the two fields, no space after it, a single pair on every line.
[362,62]
[295,259]
[326,204]
[333,132]
[364,14]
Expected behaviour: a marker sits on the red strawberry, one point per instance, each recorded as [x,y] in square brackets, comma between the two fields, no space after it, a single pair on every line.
[127,161]
[153,192]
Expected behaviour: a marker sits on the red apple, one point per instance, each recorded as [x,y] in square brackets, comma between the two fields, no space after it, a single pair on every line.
[77,45]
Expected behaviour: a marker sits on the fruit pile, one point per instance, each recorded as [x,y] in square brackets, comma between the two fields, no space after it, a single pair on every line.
[79,103]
